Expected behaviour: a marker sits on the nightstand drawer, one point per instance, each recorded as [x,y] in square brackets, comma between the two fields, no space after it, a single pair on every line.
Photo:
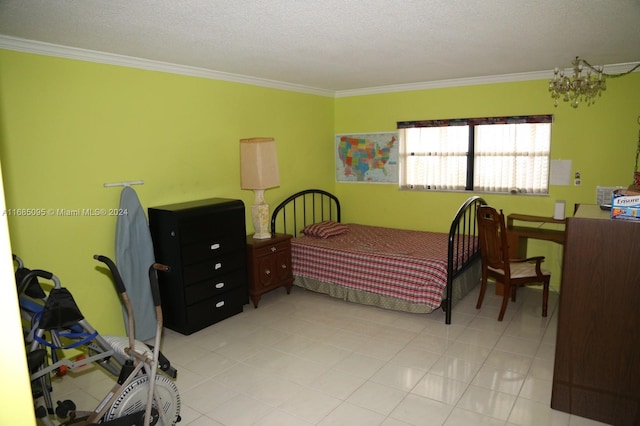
[272,270]
[273,248]
[214,286]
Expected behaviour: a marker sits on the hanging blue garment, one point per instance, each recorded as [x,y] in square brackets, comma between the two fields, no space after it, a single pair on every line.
[134,256]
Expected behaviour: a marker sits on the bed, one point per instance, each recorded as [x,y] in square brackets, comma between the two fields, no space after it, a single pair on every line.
[411,271]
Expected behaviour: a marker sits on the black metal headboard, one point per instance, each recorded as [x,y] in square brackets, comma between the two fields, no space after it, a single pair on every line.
[304,208]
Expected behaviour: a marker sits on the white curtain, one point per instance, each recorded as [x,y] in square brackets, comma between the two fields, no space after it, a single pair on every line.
[434,157]
[512,157]
[507,157]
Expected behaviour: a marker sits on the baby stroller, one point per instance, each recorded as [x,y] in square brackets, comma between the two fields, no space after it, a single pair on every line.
[140,395]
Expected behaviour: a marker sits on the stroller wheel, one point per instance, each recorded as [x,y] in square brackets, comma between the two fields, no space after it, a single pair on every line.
[64,408]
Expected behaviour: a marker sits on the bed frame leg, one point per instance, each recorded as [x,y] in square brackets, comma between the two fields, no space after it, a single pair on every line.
[448,304]
[447,311]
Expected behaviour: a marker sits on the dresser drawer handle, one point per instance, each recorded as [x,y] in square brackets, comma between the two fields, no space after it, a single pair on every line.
[215,246]
[220,285]
[284,266]
[273,249]
[217,266]
[220,304]
[267,271]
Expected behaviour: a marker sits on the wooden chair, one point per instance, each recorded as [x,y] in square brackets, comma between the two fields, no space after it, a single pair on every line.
[512,273]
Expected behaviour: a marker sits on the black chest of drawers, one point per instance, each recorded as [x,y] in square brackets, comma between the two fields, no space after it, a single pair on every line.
[204,243]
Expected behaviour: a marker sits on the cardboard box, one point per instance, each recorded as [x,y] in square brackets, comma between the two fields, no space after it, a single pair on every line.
[625,205]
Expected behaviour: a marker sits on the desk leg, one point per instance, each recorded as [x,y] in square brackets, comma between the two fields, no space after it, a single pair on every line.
[517,246]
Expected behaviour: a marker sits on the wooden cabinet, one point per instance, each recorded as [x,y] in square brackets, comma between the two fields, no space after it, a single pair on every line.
[597,364]
[269,265]
[204,244]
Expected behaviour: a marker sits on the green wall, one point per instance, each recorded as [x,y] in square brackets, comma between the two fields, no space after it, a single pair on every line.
[601,141]
[67,127]
[70,126]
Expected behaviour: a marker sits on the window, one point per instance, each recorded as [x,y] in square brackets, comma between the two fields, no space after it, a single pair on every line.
[497,154]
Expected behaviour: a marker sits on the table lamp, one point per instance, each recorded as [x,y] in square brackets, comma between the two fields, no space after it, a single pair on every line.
[259,171]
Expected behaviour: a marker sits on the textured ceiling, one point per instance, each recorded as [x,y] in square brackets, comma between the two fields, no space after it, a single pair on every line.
[339,45]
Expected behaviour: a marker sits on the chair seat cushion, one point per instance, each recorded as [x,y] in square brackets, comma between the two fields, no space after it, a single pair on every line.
[522,270]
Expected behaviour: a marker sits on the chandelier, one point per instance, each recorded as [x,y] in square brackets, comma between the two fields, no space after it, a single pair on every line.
[585,84]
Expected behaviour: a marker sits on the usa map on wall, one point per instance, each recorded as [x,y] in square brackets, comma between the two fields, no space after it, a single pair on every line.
[367,157]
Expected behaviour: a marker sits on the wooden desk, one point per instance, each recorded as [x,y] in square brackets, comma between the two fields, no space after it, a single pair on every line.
[518,235]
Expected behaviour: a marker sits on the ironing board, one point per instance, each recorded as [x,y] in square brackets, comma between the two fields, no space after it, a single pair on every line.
[134,256]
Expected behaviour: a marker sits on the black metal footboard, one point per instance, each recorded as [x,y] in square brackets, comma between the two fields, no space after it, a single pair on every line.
[464,248]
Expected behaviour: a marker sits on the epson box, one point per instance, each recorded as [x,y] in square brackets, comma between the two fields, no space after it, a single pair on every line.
[625,205]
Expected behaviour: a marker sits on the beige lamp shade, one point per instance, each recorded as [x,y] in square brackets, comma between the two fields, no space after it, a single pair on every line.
[258,163]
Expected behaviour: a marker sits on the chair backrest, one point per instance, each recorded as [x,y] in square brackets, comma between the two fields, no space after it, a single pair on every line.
[492,234]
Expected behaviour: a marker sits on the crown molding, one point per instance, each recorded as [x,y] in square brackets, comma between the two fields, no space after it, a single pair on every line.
[439,84]
[49,49]
[474,81]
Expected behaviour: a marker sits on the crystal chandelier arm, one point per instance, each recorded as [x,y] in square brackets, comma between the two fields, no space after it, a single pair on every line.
[604,73]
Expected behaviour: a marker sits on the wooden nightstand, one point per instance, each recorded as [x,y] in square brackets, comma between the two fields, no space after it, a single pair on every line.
[268,265]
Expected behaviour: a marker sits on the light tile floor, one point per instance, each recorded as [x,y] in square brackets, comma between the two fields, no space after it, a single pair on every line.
[307,359]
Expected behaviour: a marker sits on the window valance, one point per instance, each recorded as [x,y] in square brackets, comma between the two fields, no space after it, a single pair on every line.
[476,121]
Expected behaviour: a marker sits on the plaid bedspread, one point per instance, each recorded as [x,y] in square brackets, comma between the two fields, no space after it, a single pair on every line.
[409,265]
